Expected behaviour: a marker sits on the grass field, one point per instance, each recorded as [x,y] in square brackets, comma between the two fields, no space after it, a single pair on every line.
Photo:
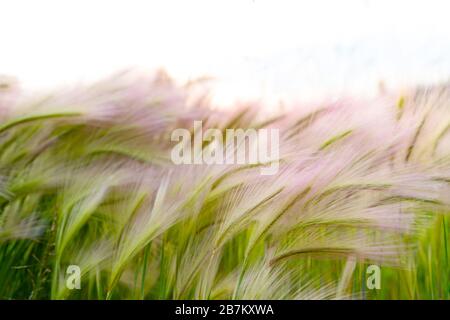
[86,179]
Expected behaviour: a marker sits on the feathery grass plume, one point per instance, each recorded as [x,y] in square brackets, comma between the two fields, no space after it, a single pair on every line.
[87,180]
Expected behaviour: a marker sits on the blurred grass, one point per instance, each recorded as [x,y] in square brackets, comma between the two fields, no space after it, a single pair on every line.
[428,274]
[94,186]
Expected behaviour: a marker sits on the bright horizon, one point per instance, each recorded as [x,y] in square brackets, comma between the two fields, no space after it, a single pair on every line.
[255,49]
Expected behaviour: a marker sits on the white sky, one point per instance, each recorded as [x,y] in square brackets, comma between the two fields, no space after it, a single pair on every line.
[269,49]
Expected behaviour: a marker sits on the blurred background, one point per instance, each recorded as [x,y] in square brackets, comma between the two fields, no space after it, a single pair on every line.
[254,49]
